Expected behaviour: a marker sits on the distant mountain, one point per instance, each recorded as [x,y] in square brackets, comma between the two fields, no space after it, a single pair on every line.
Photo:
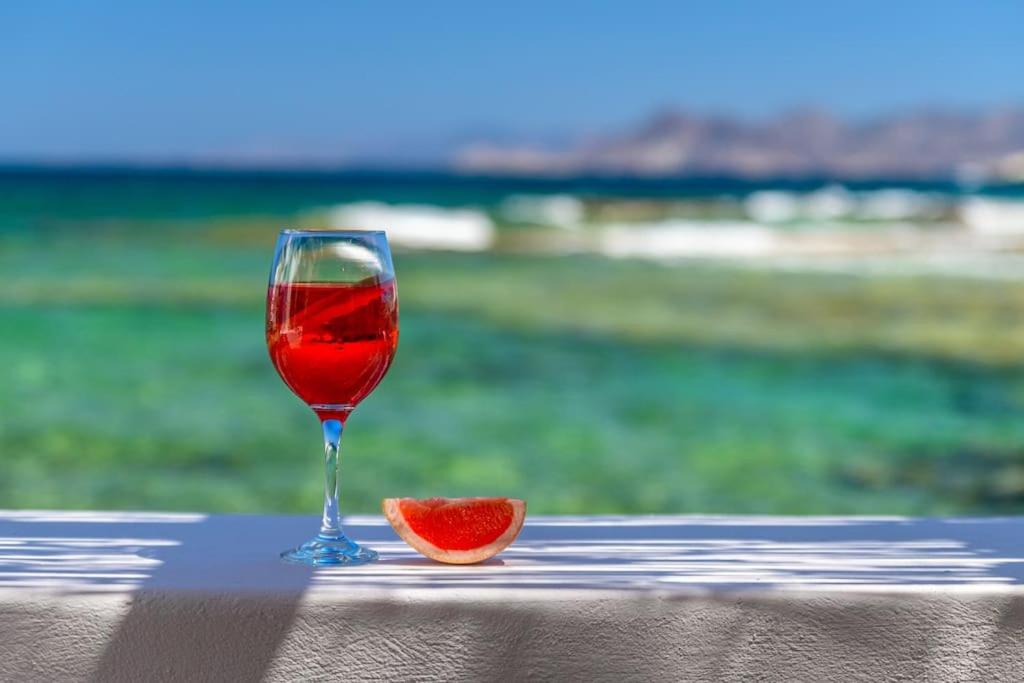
[924,144]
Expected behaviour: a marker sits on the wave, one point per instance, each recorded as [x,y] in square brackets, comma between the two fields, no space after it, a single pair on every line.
[559,210]
[836,202]
[901,249]
[888,230]
[689,239]
[419,226]
[993,216]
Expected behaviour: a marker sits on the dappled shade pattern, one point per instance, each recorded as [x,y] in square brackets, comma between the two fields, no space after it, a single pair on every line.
[132,596]
[125,551]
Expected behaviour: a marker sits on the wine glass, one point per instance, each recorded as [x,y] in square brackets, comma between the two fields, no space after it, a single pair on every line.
[332,330]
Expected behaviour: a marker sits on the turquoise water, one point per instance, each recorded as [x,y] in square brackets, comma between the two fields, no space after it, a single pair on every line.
[136,376]
[33,197]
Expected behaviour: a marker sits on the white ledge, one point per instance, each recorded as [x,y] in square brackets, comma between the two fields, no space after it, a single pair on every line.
[156,596]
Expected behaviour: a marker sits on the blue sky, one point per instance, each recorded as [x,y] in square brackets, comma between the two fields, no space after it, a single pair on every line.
[156,80]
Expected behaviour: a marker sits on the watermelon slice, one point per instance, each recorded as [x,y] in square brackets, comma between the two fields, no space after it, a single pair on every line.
[456,530]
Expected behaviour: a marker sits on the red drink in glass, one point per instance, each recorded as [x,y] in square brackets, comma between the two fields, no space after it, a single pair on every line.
[332,329]
[332,342]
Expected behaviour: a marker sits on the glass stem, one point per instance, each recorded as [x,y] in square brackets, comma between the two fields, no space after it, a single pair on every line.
[330,528]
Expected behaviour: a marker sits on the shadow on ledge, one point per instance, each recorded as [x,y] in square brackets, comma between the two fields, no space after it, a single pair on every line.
[203,597]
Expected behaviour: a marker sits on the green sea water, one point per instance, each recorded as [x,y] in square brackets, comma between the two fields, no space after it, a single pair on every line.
[134,372]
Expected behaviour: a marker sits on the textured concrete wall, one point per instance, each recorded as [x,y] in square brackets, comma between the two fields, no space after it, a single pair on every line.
[674,599]
[796,637]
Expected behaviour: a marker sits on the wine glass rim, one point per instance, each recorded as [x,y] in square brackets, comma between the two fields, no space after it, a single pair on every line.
[329,232]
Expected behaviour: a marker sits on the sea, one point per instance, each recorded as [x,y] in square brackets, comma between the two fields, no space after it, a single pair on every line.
[787,222]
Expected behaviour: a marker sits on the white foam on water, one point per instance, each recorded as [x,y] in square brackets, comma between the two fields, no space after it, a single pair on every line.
[560,210]
[835,202]
[770,206]
[419,226]
[676,239]
[911,231]
[993,216]
[829,203]
[896,204]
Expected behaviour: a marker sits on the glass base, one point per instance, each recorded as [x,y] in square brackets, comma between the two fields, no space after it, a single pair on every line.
[324,550]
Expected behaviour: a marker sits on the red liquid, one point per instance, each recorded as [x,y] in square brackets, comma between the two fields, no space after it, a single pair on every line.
[332,343]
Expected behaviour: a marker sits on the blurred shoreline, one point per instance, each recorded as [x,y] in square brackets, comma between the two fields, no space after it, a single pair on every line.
[679,182]
[932,227]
